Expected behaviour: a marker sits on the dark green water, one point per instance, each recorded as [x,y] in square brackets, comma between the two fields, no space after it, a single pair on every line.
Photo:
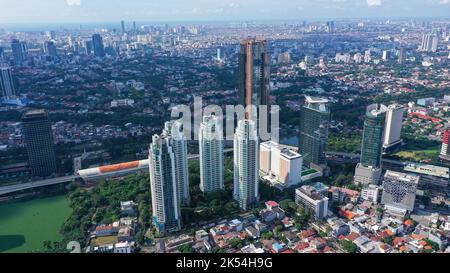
[24,226]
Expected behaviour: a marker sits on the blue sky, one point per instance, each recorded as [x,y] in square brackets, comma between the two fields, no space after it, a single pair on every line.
[46,11]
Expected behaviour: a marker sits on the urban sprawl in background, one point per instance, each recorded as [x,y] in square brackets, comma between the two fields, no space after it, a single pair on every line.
[91,155]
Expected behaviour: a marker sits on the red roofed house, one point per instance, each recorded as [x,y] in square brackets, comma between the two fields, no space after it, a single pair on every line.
[301,246]
[271,204]
[327,249]
[348,214]
[105,230]
[352,236]
[307,233]
[398,241]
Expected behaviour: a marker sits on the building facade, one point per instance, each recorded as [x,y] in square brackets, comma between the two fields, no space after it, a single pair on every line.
[445,151]
[393,125]
[368,171]
[399,191]
[371,193]
[38,136]
[50,49]
[314,124]
[429,43]
[163,184]
[254,74]
[6,83]
[246,161]
[279,164]
[211,154]
[19,51]
[173,129]
[308,198]
[401,55]
[97,44]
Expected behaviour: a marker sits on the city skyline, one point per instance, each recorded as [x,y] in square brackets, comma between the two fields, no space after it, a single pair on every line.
[140,129]
[73,11]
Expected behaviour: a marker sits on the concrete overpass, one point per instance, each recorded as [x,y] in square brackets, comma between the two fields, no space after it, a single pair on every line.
[66,179]
[354,158]
[36,184]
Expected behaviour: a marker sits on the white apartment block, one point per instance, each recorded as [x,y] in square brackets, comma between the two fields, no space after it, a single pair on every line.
[211,154]
[371,193]
[393,125]
[246,164]
[308,198]
[279,164]
[173,129]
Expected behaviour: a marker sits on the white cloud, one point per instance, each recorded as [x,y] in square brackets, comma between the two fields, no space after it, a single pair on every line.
[73,2]
[233,5]
[444,2]
[372,3]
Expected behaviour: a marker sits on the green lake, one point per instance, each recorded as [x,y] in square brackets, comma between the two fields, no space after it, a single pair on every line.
[24,226]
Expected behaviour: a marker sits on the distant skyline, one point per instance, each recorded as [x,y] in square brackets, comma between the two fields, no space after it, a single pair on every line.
[79,11]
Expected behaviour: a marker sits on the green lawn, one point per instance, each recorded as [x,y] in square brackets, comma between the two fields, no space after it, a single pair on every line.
[106,240]
[24,226]
[307,172]
[419,155]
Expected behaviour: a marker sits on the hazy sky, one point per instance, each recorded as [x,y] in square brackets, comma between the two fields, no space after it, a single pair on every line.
[46,11]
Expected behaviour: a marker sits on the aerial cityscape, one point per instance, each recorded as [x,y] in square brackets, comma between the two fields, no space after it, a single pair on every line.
[206,127]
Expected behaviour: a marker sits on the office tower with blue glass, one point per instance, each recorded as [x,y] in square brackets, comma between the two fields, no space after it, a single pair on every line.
[97,44]
[313,138]
[368,171]
[7,90]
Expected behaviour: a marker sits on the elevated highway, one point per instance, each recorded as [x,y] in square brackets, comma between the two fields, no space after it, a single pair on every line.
[118,172]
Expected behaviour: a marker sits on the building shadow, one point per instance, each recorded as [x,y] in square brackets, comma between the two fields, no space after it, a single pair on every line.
[8,242]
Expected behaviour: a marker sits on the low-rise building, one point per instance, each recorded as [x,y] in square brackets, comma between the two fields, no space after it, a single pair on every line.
[201,235]
[124,247]
[251,248]
[338,226]
[125,234]
[172,244]
[272,212]
[291,237]
[127,208]
[252,232]
[371,193]
[308,198]
[105,230]
[343,195]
